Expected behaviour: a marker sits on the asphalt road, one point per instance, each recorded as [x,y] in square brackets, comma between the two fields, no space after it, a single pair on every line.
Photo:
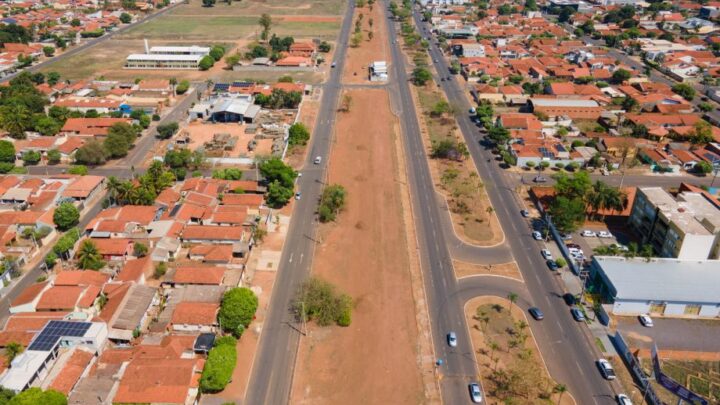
[274,364]
[90,43]
[459,366]
[30,276]
[566,346]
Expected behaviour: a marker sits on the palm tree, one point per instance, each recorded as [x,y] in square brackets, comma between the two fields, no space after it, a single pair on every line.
[15,118]
[113,187]
[512,298]
[560,389]
[493,347]
[88,255]
[605,197]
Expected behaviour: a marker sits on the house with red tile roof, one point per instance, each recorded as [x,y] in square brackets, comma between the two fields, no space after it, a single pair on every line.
[198,275]
[69,298]
[91,127]
[136,271]
[114,249]
[28,299]
[214,234]
[80,278]
[195,317]
[167,381]
[83,188]
[294,61]
[76,362]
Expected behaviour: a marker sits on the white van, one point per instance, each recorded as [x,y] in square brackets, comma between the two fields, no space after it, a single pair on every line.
[318,159]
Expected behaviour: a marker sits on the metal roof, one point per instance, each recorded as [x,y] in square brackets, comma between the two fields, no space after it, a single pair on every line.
[675,280]
[563,102]
[164,57]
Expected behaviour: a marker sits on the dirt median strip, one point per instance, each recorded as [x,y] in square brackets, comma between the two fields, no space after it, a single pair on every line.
[465,269]
[364,253]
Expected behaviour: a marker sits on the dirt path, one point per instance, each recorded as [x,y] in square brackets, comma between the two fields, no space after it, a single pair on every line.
[375,360]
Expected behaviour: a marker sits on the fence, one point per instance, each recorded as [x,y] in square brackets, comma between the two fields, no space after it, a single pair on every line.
[633,364]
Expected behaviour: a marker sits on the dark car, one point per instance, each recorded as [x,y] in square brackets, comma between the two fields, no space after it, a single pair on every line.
[536,313]
[569,299]
[525,213]
[552,265]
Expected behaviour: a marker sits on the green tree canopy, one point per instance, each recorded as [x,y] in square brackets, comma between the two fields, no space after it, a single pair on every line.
[36,396]
[66,216]
[237,310]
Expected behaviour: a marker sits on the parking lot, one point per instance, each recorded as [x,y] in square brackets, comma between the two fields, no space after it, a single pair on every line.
[698,335]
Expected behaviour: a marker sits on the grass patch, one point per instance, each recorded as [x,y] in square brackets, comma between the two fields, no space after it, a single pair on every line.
[209,28]
[276,7]
[702,377]
[600,344]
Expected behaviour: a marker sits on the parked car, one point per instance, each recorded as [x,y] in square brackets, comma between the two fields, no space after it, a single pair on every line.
[552,264]
[646,321]
[475,393]
[589,233]
[577,314]
[537,235]
[539,179]
[604,234]
[298,195]
[332,65]
[620,247]
[536,313]
[566,236]
[452,339]
[525,213]
[546,254]
[571,246]
[318,159]
[569,299]
[606,369]
[623,399]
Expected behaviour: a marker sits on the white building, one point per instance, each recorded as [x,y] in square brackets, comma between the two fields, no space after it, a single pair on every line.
[666,287]
[473,50]
[167,57]
[378,71]
[32,365]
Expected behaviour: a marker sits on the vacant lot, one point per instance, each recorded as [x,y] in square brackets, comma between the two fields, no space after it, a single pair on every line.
[510,363]
[702,377]
[257,7]
[223,27]
[364,253]
[472,214]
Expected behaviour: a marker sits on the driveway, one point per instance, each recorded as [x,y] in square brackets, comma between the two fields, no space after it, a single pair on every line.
[673,334]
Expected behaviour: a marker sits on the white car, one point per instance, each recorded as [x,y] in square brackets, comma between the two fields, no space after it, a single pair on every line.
[623,399]
[475,393]
[546,254]
[452,339]
[318,159]
[537,235]
[604,234]
[646,321]
[606,369]
[588,232]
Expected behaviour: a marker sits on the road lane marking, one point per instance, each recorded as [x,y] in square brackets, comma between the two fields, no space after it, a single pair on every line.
[291,257]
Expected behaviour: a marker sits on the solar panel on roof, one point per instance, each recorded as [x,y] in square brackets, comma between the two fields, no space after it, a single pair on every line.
[54,330]
[711,157]
[560,148]
[221,87]
[242,84]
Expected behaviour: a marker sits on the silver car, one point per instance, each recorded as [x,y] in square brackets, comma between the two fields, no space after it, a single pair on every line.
[475,393]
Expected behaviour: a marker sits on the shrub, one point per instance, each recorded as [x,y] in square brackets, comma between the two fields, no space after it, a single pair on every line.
[237,310]
[160,270]
[206,62]
[219,366]
[331,202]
[182,87]
[165,131]
[54,156]
[66,242]
[298,134]
[31,157]
[78,170]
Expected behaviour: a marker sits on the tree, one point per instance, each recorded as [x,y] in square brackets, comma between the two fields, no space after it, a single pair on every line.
[88,256]
[629,104]
[237,310]
[12,349]
[208,3]
[15,118]
[356,39]
[531,5]
[46,125]
[324,47]
[166,131]
[160,270]
[560,389]
[217,52]
[705,107]
[92,153]
[420,76]
[66,216]
[34,396]
[219,366]
[604,197]
[702,133]
[125,18]
[298,134]
[565,14]
[331,202]
[79,170]
[206,62]
[48,51]
[499,135]
[182,87]
[278,195]
[31,157]
[319,300]
[116,145]
[620,76]
[7,151]
[512,298]
[140,249]
[567,213]
[685,90]
[265,22]
[230,173]
[703,167]
[232,60]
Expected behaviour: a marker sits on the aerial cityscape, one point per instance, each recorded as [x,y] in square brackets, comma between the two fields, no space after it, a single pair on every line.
[250,202]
